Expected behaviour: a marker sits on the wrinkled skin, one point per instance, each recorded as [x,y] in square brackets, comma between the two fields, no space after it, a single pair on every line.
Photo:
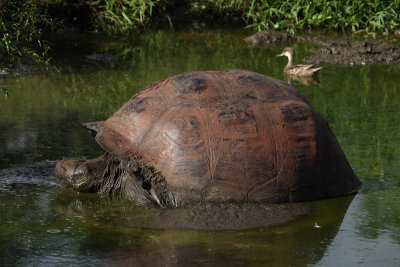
[214,136]
[84,175]
[108,175]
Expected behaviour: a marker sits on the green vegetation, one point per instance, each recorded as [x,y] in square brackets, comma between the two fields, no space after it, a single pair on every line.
[355,15]
[129,16]
[292,16]
[4,90]
[21,27]
[380,16]
[122,16]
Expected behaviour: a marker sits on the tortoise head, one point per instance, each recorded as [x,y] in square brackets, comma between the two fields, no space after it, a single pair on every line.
[102,174]
[74,174]
[106,174]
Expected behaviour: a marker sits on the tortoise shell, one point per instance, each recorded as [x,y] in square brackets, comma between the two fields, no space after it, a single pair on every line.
[230,136]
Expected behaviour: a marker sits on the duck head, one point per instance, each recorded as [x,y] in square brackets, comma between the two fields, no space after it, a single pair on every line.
[288,52]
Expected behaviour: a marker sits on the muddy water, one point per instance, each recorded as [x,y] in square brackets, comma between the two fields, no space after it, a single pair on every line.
[40,223]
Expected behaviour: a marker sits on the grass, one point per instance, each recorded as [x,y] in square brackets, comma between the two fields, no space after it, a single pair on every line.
[124,16]
[369,17]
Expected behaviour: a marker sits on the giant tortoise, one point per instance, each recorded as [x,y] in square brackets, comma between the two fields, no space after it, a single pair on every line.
[214,136]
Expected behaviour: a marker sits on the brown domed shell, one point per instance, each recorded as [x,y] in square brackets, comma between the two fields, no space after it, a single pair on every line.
[230,136]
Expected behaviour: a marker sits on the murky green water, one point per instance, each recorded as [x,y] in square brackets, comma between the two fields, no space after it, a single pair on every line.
[41,224]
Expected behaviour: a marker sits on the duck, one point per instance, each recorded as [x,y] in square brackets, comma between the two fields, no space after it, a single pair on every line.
[297,70]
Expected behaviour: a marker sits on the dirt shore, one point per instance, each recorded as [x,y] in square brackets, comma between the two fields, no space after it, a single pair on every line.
[335,51]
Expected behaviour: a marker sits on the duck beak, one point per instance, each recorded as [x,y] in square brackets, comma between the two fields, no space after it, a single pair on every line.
[280,55]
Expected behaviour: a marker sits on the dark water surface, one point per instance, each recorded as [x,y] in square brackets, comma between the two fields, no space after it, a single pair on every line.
[41,224]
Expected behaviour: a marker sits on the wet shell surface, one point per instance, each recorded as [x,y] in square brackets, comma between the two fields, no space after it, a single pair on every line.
[230,135]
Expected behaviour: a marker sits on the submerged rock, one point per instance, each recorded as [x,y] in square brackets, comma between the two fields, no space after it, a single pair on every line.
[217,216]
[41,173]
[102,57]
[4,72]
[270,37]
[19,69]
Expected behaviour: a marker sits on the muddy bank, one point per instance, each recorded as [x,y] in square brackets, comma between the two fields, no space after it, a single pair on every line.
[355,53]
[334,52]
[270,37]
[275,37]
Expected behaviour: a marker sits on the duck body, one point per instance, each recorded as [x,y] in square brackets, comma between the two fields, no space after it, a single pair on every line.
[297,70]
[301,70]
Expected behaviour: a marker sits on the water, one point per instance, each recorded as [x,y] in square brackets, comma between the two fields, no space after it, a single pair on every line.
[41,224]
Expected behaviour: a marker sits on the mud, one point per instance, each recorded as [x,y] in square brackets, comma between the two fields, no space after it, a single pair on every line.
[270,37]
[355,53]
[217,216]
[334,51]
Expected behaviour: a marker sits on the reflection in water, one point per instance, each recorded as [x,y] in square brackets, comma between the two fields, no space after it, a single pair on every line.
[366,237]
[378,218]
[303,80]
[113,236]
[42,224]
[294,244]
